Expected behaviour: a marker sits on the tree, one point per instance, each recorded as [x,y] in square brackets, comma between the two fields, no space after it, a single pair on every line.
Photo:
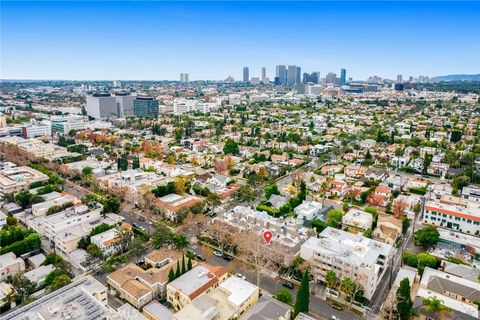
[59,282]
[87,170]
[271,189]
[178,272]
[351,289]
[399,207]
[23,287]
[427,237]
[331,279]
[179,184]
[111,205]
[171,275]
[434,306]
[404,300]
[334,218]
[222,233]
[303,296]
[405,224]
[184,268]
[254,251]
[231,147]
[284,296]
[94,255]
[189,263]
[135,163]
[137,248]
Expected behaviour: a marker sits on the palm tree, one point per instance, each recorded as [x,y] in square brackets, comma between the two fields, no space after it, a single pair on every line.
[324,188]
[434,306]
[398,153]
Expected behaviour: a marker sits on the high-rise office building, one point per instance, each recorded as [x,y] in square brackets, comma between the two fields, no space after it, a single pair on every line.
[298,77]
[101,105]
[246,74]
[399,78]
[311,78]
[124,103]
[264,74]
[316,77]
[343,76]
[145,107]
[187,77]
[291,75]
[117,84]
[182,77]
[331,78]
[281,74]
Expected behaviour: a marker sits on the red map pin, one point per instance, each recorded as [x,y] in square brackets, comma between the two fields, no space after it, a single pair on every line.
[267,236]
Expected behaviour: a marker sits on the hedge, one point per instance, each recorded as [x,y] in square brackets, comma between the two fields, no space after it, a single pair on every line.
[30,243]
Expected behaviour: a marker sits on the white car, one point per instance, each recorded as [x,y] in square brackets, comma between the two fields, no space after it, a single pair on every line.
[335,317]
[241,276]
[217,253]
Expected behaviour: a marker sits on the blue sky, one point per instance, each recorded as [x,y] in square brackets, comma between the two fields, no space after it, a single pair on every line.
[211,40]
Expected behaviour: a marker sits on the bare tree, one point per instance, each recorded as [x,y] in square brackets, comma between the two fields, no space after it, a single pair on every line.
[222,233]
[196,222]
[253,250]
[399,207]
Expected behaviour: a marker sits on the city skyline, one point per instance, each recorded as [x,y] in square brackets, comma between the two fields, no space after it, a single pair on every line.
[211,41]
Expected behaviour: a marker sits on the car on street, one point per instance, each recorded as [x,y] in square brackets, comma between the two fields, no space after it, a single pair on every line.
[241,276]
[227,257]
[217,253]
[199,257]
[336,306]
[335,317]
[288,285]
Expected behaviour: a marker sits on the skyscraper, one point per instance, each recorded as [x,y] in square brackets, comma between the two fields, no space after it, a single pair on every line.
[399,78]
[291,75]
[264,74]
[182,77]
[246,74]
[186,77]
[281,74]
[343,76]
[298,77]
[331,77]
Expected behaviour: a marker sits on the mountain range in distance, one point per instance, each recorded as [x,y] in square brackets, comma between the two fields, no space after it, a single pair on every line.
[458,77]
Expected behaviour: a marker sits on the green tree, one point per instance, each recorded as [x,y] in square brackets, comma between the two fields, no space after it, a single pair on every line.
[334,218]
[404,300]
[111,205]
[135,163]
[171,275]
[59,282]
[87,170]
[184,269]
[23,287]
[231,147]
[331,279]
[178,272]
[284,296]
[427,237]
[271,189]
[189,264]
[434,306]
[303,296]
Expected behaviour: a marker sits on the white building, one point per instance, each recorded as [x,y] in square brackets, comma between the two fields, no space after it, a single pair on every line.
[101,106]
[10,265]
[357,219]
[36,130]
[308,211]
[362,259]
[465,219]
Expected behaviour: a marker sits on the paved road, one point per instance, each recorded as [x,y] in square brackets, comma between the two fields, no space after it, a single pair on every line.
[270,285]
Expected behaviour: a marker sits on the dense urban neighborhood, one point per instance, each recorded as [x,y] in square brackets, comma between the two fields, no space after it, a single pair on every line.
[300,197]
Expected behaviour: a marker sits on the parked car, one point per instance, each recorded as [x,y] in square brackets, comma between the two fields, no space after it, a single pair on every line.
[227,257]
[241,276]
[335,317]
[336,306]
[287,285]
[199,257]
[217,253]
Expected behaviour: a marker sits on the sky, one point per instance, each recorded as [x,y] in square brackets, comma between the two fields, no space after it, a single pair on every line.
[149,40]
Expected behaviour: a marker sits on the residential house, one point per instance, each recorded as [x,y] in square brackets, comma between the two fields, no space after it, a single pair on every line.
[357,219]
[388,229]
[10,265]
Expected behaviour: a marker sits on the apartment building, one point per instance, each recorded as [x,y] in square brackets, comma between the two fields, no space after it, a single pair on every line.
[457,293]
[10,265]
[84,299]
[36,130]
[108,241]
[139,286]
[15,179]
[228,301]
[173,203]
[463,217]
[358,219]
[349,255]
[132,182]
[201,279]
